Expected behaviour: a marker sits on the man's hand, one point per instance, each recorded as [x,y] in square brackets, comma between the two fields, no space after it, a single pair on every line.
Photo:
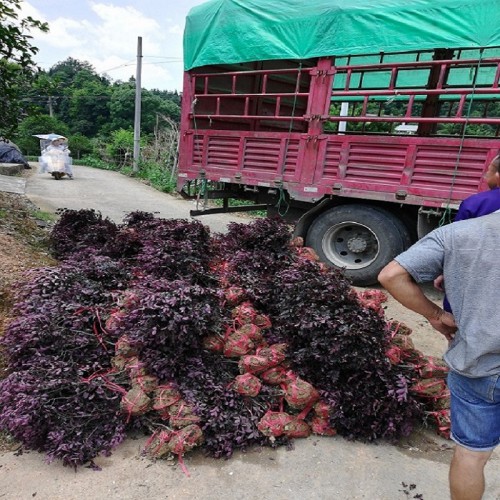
[439,283]
[399,283]
[444,323]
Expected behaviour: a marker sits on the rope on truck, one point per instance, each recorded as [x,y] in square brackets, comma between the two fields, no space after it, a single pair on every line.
[282,202]
[446,217]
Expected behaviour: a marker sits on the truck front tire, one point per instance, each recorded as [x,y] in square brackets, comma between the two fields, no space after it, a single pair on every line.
[358,238]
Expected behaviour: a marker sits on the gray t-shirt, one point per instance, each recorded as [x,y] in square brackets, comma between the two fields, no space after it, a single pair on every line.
[467,253]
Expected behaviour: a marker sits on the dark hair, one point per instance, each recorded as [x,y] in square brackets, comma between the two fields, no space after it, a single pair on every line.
[497,161]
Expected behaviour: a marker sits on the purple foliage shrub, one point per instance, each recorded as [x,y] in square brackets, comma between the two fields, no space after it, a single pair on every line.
[78,229]
[229,419]
[166,280]
[173,249]
[168,321]
[334,342]
[49,409]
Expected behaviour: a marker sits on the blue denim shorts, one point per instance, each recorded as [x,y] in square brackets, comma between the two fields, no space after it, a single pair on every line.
[475,411]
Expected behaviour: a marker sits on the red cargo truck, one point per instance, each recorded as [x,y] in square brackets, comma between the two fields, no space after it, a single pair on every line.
[363,150]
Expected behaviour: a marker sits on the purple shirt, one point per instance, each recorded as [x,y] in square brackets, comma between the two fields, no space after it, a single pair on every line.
[479,204]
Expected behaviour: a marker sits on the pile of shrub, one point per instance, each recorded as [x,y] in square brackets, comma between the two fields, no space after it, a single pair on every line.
[221,341]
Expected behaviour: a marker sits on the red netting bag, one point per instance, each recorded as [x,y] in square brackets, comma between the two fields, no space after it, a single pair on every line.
[244,313]
[262,321]
[164,397]
[297,428]
[403,341]
[373,299]
[237,345]
[273,423]
[372,294]
[323,268]
[135,368]
[135,402]
[432,367]
[121,362]
[307,253]
[221,268]
[252,331]
[441,402]
[247,385]
[148,383]
[128,299]
[412,357]
[275,353]
[299,393]
[185,439]
[213,343]
[253,363]
[443,422]
[157,446]
[394,327]
[234,295]
[296,242]
[429,388]
[322,427]
[322,410]
[114,320]
[181,415]
[393,353]
[274,376]
[123,347]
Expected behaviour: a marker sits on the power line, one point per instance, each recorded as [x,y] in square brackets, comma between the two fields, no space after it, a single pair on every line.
[132,63]
[163,57]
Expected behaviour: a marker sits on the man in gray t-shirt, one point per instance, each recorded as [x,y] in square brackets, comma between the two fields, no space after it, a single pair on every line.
[467,254]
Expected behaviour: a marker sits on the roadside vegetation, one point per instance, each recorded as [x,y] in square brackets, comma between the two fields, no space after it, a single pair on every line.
[95,113]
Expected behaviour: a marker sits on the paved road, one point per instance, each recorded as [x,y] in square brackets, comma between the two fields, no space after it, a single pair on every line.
[317,469]
[11,184]
[114,195]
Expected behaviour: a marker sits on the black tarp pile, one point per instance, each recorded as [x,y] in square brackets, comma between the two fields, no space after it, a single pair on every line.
[10,154]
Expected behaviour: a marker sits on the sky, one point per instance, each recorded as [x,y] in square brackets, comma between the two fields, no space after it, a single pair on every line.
[105,34]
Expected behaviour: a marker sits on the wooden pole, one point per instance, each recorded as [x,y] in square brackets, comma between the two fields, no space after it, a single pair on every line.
[137,118]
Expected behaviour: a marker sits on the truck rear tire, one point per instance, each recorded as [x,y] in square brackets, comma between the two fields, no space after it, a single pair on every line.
[358,238]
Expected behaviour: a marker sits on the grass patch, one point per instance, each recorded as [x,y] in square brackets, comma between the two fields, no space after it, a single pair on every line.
[45,216]
[94,162]
[157,175]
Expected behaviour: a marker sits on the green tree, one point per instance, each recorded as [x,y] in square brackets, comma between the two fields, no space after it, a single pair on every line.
[121,147]
[16,62]
[38,124]
[45,92]
[122,108]
[79,145]
[89,108]
[84,96]
[72,71]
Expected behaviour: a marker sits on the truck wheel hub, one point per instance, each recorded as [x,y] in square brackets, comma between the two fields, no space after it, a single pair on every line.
[357,245]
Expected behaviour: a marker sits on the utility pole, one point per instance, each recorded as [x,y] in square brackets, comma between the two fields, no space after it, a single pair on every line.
[137,118]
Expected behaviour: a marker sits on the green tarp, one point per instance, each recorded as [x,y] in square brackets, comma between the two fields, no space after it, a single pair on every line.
[232,31]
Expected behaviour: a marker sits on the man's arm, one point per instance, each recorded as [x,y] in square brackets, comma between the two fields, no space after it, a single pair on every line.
[399,283]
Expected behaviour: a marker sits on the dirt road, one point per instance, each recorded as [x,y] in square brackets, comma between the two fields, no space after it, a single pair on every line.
[114,195]
[318,468]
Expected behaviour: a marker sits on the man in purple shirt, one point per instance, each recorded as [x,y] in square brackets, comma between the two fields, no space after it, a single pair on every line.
[479,204]
[486,202]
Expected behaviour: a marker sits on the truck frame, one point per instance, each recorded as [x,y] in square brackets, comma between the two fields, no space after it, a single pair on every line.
[363,153]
